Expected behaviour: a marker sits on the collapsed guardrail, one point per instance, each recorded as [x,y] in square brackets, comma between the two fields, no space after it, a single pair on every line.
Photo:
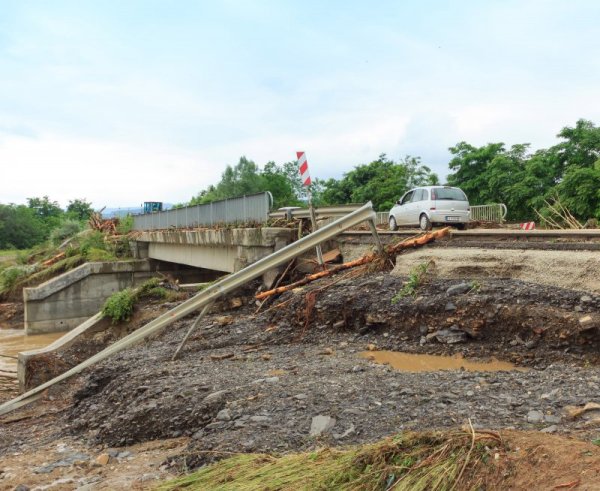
[209,295]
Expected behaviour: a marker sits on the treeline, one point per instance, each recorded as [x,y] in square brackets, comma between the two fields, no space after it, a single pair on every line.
[381,181]
[526,181]
[494,173]
[24,226]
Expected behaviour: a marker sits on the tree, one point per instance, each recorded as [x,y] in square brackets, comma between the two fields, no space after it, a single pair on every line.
[79,209]
[20,228]
[382,182]
[567,171]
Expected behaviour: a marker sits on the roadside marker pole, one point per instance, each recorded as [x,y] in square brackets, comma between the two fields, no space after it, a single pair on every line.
[527,226]
[305,176]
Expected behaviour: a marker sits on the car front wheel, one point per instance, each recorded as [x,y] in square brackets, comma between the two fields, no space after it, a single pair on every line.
[424,222]
[393,224]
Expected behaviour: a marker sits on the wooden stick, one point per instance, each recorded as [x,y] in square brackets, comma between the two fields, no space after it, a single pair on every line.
[367,258]
[191,329]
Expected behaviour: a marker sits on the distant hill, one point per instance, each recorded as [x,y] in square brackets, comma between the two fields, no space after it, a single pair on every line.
[125,210]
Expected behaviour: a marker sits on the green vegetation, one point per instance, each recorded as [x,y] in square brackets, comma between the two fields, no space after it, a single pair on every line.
[381,181]
[24,226]
[568,171]
[410,461]
[119,306]
[415,280]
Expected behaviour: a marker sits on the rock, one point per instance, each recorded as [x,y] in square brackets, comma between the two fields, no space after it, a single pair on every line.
[103,459]
[585,299]
[448,336]
[22,487]
[346,433]
[66,462]
[578,308]
[259,419]
[550,429]
[272,380]
[534,417]
[552,419]
[215,396]
[224,415]
[265,356]
[449,307]
[586,323]
[549,395]
[300,397]
[371,347]
[532,343]
[224,320]
[458,289]
[423,330]
[321,424]
[124,455]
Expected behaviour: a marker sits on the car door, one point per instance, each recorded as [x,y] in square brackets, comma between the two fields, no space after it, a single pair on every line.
[415,208]
[402,210]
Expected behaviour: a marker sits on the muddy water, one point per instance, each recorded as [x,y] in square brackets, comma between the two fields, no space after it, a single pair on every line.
[409,362]
[12,341]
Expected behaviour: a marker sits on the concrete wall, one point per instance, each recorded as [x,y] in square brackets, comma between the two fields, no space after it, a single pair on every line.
[227,250]
[66,301]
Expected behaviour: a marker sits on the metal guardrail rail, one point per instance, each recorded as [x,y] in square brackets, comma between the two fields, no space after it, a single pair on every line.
[495,212]
[321,212]
[207,296]
[243,209]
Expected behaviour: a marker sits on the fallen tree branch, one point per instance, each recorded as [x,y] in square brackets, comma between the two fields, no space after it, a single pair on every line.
[367,258]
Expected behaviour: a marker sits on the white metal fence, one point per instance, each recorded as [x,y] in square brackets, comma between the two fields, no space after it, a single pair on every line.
[495,212]
[251,208]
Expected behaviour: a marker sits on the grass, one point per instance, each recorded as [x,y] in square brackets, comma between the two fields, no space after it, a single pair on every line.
[410,461]
[119,306]
[415,279]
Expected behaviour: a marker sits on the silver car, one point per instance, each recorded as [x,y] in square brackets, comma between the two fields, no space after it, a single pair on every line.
[431,205]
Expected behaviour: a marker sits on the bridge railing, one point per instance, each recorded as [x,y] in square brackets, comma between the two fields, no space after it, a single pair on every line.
[495,212]
[250,208]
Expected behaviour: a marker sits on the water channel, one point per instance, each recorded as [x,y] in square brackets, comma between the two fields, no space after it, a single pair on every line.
[13,341]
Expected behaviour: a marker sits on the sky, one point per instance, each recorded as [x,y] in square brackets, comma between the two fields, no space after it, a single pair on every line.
[122,101]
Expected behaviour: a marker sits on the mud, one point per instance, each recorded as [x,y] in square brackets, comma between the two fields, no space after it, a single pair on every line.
[417,363]
[254,382]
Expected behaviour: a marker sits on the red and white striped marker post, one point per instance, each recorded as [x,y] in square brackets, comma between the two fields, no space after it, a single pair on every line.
[527,226]
[306,182]
[303,169]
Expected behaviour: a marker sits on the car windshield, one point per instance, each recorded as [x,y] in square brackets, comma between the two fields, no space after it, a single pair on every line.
[452,194]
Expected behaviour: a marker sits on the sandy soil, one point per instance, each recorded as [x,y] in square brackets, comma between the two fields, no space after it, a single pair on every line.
[578,270]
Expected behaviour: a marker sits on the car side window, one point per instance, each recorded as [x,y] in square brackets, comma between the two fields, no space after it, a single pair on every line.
[407,197]
[417,195]
[425,196]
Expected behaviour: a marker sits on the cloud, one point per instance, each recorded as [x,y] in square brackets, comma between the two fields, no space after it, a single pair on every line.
[103,172]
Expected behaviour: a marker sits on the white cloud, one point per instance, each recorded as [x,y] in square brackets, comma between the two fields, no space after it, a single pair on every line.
[102,172]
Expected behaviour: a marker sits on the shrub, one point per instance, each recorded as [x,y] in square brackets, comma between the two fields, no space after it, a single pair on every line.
[94,254]
[66,229]
[119,306]
[92,240]
[10,276]
[125,225]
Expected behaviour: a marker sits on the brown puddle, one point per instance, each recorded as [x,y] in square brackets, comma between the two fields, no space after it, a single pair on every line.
[410,362]
[13,341]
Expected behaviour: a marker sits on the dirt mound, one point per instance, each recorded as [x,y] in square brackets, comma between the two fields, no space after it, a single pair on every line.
[255,383]
[566,269]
